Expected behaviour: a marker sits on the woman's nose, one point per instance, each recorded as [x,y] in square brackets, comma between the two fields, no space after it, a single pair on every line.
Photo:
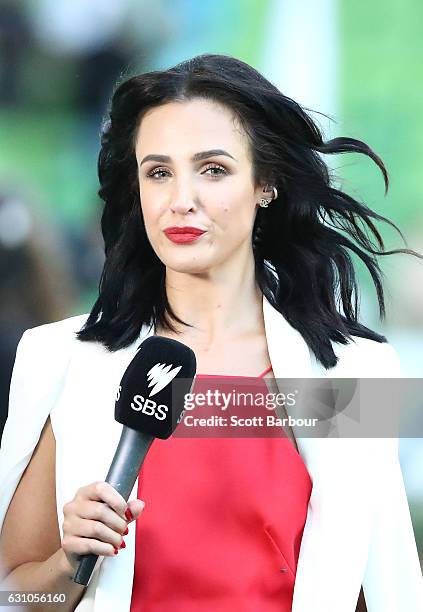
[183,199]
[182,207]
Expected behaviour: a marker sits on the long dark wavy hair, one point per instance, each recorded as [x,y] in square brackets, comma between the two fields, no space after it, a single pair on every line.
[302,262]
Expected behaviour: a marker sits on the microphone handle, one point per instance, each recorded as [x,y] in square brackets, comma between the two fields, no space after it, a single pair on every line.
[129,457]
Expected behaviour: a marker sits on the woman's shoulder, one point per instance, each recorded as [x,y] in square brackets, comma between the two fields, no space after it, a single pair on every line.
[63,328]
[47,345]
[52,336]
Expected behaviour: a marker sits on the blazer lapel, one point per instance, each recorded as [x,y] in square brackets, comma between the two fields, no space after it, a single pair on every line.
[288,351]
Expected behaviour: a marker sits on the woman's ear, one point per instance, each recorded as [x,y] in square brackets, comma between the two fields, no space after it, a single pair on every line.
[268,191]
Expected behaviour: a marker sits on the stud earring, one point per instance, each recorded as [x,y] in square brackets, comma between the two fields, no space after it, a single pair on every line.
[264,203]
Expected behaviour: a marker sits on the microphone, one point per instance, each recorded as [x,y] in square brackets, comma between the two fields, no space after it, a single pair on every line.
[149,406]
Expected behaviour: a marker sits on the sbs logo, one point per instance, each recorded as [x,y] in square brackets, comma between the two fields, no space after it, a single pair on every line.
[159,376]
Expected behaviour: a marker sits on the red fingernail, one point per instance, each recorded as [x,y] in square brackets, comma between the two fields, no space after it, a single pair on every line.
[126,531]
[116,551]
[123,545]
[129,515]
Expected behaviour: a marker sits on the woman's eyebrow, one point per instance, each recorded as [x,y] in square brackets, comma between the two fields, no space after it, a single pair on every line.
[196,157]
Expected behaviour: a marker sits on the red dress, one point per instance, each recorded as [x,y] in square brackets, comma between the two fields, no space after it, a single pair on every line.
[222,526]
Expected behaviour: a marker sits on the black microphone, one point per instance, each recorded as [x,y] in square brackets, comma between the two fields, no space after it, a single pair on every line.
[149,405]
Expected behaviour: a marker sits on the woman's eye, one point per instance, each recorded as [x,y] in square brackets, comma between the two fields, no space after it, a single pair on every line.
[155,172]
[216,172]
[221,170]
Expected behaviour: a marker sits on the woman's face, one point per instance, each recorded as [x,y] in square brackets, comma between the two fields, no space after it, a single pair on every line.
[195,171]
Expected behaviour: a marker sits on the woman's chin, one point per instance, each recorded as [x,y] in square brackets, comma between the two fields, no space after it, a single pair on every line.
[187,267]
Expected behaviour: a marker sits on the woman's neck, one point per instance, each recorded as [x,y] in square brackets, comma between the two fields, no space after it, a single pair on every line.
[218,308]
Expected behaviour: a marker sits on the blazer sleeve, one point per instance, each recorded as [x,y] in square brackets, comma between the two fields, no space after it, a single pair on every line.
[19,430]
[393,579]
[37,378]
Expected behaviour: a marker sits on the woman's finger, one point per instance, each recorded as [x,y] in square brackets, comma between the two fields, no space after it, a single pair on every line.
[103,491]
[135,507]
[74,545]
[94,530]
[99,511]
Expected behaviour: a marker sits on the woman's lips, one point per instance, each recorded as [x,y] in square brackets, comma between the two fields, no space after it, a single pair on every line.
[182,235]
[183,238]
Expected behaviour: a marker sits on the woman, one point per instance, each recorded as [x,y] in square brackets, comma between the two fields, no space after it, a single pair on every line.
[250,284]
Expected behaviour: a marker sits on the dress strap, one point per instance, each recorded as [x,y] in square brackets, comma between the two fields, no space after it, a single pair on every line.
[232,376]
[265,371]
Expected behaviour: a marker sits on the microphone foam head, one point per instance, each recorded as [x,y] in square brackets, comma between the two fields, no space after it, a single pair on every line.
[150,398]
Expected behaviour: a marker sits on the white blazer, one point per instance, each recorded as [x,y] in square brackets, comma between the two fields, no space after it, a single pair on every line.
[358,529]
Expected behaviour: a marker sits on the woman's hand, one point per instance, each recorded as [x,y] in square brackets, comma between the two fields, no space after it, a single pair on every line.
[95,522]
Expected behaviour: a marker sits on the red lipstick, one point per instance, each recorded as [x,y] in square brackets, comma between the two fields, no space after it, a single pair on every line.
[184,234]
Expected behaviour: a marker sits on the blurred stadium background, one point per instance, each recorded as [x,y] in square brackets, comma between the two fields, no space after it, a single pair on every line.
[358,62]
